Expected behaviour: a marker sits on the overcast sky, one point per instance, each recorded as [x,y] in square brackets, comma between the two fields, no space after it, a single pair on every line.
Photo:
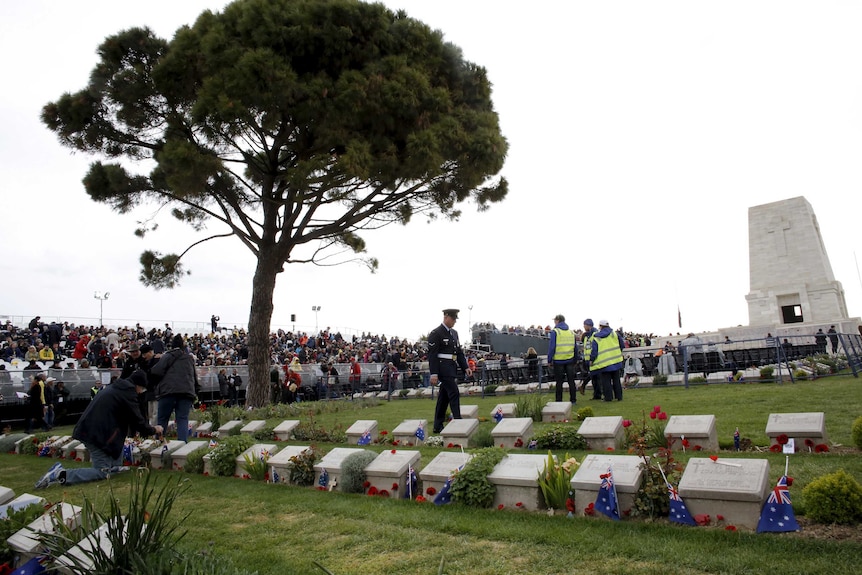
[649,126]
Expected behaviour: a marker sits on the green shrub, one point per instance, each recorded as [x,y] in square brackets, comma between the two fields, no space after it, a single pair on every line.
[584,413]
[766,372]
[195,460]
[265,434]
[14,521]
[856,432]
[800,374]
[555,480]
[353,471]
[490,389]
[834,498]
[530,405]
[697,379]
[302,467]
[482,438]
[310,431]
[659,379]
[31,446]
[471,486]
[560,437]
[223,457]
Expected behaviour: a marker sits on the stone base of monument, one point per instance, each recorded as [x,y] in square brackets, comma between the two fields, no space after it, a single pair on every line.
[388,472]
[733,488]
[26,541]
[627,474]
[254,453]
[516,478]
[161,454]
[696,429]
[459,431]
[513,432]
[557,412]
[253,426]
[359,427]
[225,428]
[603,433]
[6,495]
[280,464]
[469,411]
[438,470]
[284,430]
[405,432]
[205,429]
[799,426]
[331,462]
[179,457]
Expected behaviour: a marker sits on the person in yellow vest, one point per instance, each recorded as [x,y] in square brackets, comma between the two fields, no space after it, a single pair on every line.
[606,361]
[562,357]
[587,347]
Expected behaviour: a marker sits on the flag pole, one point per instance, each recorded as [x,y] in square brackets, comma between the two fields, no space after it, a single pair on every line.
[786,464]
[614,484]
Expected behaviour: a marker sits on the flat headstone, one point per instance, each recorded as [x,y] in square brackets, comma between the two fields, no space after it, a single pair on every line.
[144,447]
[253,426]
[513,432]
[405,432]
[359,427]
[253,452]
[438,470]
[284,430]
[696,429]
[516,478]
[193,425]
[80,453]
[469,411]
[603,433]
[80,557]
[800,426]
[228,425]
[413,393]
[459,431]
[382,394]
[20,443]
[734,488]
[26,540]
[69,448]
[6,495]
[331,462]
[556,411]
[19,503]
[508,409]
[160,454]
[179,457]
[205,429]
[388,471]
[586,481]
[280,464]
[369,394]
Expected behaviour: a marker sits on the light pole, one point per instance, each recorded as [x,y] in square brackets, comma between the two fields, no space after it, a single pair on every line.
[101,297]
[315,309]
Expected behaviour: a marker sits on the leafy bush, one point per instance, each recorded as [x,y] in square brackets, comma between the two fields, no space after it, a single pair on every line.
[302,467]
[353,471]
[482,437]
[490,388]
[659,379]
[555,480]
[471,486]
[697,379]
[834,498]
[310,431]
[530,405]
[223,457]
[560,437]
[584,413]
[265,434]
[256,467]
[31,446]
[195,460]
[856,432]
[766,372]
[800,374]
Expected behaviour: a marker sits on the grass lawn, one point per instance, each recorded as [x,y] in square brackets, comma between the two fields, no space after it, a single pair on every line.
[283,529]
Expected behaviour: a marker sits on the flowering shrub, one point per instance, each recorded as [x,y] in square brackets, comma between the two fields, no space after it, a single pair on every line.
[302,466]
[223,457]
[434,441]
[555,480]
[560,437]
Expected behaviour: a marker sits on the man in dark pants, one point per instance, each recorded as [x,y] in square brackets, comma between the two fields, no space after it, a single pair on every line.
[562,357]
[833,339]
[444,357]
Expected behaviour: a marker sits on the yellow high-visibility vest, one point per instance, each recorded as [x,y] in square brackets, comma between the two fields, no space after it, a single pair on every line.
[565,346]
[609,351]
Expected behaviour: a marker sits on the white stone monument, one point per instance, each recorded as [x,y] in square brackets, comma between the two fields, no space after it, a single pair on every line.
[516,478]
[254,452]
[253,426]
[179,457]
[406,432]
[284,430]
[388,472]
[627,473]
[358,429]
[438,470]
[459,431]
[696,429]
[556,412]
[513,432]
[734,488]
[280,463]
[331,462]
[26,542]
[603,433]
[807,429]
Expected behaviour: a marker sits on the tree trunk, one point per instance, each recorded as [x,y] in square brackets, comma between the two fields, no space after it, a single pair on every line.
[260,316]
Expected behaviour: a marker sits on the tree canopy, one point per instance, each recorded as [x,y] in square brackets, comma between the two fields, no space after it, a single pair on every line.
[293,125]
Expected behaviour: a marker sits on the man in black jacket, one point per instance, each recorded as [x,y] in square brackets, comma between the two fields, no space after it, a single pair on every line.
[444,357]
[102,428]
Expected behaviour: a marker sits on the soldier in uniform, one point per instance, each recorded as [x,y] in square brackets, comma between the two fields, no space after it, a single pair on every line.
[444,357]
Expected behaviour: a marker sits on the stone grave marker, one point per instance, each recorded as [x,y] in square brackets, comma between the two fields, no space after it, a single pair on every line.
[734,488]
[696,429]
[469,411]
[20,443]
[69,448]
[26,542]
[459,431]
[254,452]
[6,495]
[508,409]
[405,432]
[331,462]
[517,480]
[193,426]
[280,464]
[557,412]
[253,426]
[80,453]
[161,453]
[800,426]
[225,427]
[513,432]
[603,433]
[179,457]
[79,557]
[19,503]
[388,472]
[627,473]
[205,429]
[383,395]
[144,447]
[427,392]
[435,474]
[284,430]
[359,427]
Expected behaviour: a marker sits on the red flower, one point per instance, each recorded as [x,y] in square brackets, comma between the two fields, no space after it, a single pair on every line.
[662,416]
[396,442]
[519,504]
[730,528]
[451,445]
[266,476]
[372,490]
[384,432]
[697,448]
[714,457]
[365,484]
[719,517]
[809,442]
[789,482]
[420,499]
[590,509]
[653,415]
[519,442]
[570,505]
[782,439]
[609,449]
[431,491]
[821,448]
[775,448]
[701,519]
[656,409]
[502,446]
[321,488]
[383,493]
[500,507]
[393,451]
[395,486]
[627,422]
[685,443]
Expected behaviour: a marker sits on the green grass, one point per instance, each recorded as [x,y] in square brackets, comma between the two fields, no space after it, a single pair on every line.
[283,529]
